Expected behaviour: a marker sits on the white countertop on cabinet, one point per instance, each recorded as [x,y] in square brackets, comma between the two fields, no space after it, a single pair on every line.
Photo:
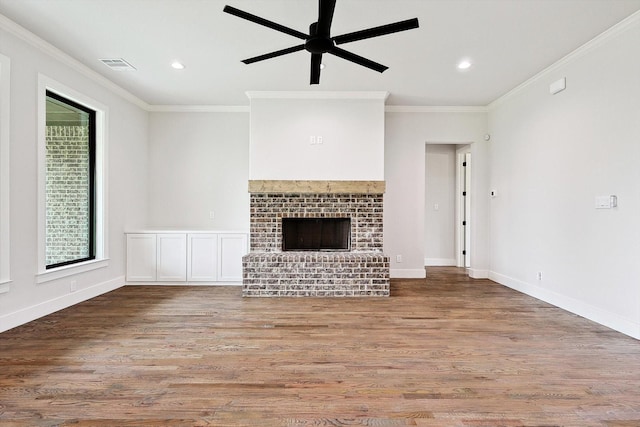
[169,230]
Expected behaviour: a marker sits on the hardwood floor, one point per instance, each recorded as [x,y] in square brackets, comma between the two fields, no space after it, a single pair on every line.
[448,351]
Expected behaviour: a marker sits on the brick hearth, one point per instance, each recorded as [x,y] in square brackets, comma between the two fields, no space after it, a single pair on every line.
[316,274]
[364,271]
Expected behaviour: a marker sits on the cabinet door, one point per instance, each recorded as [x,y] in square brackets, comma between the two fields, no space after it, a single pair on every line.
[141,257]
[202,257]
[231,249]
[172,257]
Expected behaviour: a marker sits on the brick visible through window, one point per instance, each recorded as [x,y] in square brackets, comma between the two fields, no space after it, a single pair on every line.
[70,169]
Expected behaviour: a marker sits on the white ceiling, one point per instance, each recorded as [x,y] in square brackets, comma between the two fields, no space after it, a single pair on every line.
[508,42]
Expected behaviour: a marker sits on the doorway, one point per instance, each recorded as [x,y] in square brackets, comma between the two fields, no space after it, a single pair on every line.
[447,224]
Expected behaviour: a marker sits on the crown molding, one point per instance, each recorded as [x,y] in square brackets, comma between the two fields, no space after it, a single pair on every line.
[247,109]
[435,109]
[49,49]
[380,95]
[199,108]
[589,46]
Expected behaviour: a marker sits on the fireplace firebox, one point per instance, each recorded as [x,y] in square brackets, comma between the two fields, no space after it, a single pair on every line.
[316,234]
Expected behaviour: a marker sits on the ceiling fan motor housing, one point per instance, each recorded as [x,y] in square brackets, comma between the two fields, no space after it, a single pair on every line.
[317,43]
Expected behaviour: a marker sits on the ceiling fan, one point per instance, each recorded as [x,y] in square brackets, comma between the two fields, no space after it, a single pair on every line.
[319,40]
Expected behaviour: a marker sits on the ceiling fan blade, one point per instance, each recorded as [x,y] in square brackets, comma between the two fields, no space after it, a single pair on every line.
[274,54]
[357,59]
[409,24]
[325,16]
[316,61]
[265,22]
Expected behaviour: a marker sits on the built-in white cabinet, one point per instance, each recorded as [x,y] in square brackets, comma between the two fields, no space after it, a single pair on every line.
[171,257]
[202,256]
[141,257]
[185,256]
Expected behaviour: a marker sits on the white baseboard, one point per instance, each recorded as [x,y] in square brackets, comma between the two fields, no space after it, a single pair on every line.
[418,273]
[26,315]
[184,283]
[572,305]
[5,287]
[440,262]
[475,273]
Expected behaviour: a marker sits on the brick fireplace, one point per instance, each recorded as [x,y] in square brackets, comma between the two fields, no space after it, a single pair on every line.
[268,271]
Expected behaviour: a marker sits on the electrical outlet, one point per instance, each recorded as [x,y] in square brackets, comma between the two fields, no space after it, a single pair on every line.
[539,275]
[73,286]
[212,215]
[398,258]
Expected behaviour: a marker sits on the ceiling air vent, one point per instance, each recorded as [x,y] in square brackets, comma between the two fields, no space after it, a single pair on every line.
[118,64]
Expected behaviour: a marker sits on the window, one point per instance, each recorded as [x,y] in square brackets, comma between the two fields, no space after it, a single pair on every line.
[70,182]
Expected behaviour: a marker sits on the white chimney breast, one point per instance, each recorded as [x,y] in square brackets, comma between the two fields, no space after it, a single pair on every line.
[350,126]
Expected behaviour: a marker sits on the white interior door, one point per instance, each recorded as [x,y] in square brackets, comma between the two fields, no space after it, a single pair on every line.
[463,211]
[467,210]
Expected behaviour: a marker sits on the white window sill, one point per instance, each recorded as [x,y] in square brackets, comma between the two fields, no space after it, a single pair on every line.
[70,270]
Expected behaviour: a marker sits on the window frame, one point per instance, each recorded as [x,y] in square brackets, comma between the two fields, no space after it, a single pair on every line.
[5,231]
[101,259]
[92,180]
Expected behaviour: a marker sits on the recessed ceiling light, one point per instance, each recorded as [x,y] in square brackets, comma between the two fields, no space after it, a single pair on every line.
[178,65]
[464,64]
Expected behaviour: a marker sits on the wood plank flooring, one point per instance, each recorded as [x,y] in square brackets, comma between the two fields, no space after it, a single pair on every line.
[446,351]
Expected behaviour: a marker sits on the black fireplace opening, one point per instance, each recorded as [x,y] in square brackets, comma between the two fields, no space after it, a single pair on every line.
[316,234]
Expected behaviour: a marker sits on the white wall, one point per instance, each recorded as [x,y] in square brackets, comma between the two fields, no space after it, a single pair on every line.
[550,156]
[199,163]
[352,131]
[440,206]
[127,147]
[404,204]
